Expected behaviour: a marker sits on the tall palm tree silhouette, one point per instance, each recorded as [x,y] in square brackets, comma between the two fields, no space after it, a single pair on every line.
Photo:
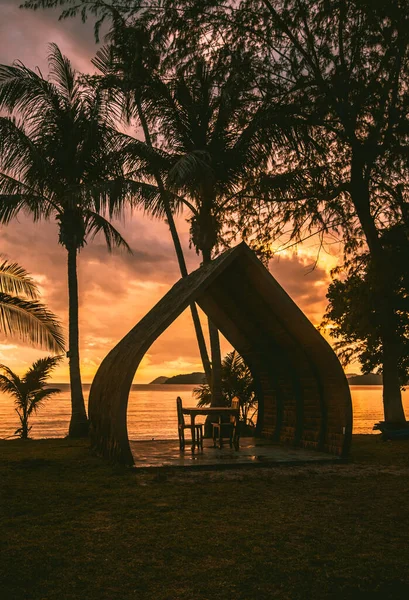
[57,160]
[129,68]
[211,143]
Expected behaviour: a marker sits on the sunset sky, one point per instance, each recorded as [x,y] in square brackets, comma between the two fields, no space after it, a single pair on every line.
[117,290]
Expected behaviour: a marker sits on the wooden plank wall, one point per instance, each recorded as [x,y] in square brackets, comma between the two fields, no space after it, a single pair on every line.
[305,396]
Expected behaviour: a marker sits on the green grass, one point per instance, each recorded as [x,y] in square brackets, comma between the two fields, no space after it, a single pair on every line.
[77,527]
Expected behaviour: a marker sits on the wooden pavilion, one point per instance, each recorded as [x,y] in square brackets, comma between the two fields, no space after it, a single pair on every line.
[304,397]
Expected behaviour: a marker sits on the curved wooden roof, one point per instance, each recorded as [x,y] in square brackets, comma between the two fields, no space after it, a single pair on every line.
[304,397]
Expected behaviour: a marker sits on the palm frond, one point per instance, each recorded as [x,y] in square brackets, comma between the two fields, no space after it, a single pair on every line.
[136,154]
[150,198]
[12,204]
[96,223]
[31,321]
[38,398]
[40,370]
[26,91]
[203,395]
[114,83]
[104,60]
[233,362]
[190,167]
[10,383]
[15,281]
[21,156]
[62,73]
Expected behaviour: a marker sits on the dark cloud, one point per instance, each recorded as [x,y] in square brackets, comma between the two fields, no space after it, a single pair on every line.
[303,281]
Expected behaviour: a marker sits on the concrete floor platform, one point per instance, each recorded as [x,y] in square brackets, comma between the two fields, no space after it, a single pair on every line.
[252,452]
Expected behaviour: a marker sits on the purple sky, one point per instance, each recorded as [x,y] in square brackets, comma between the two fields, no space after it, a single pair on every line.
[117,290]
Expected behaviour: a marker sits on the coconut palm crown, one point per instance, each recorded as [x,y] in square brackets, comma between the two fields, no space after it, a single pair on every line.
[57,152]
[29,392]
[211,128]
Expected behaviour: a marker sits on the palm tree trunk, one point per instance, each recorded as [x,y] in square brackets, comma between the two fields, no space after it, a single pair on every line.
[392,396]
[24,424]
[193,308]
[79,422]
[216,385]
[217,396]
[179,253]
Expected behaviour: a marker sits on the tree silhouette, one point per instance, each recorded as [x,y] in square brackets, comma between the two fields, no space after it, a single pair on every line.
[351,313]
[129,66]
[208,109]
[58,160]
[210,140]
[349,67]
[343,67]
[29,392]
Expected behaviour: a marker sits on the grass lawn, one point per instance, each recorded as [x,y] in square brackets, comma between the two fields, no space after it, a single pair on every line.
[77,527]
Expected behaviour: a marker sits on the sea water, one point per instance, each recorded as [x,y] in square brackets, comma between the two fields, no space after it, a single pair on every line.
[152,411]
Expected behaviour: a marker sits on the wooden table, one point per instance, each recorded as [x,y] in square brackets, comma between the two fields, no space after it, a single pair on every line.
[211,410]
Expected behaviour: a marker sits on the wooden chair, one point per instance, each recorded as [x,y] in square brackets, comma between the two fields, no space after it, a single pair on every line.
[230,430]
[198,434]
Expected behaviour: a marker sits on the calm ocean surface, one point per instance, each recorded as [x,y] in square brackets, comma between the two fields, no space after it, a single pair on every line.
[152,411]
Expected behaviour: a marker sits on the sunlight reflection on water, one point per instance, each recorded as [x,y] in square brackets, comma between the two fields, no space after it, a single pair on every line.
[152,411]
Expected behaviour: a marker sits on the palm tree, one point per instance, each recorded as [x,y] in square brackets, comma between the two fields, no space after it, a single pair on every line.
[212,144]
[237,382]
[129,67]
[29,391]
[58,160]
[22,315]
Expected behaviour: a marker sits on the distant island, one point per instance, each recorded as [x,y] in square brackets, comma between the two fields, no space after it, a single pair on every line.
[159,380]
[198,378]
[195,378]
[369,379]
